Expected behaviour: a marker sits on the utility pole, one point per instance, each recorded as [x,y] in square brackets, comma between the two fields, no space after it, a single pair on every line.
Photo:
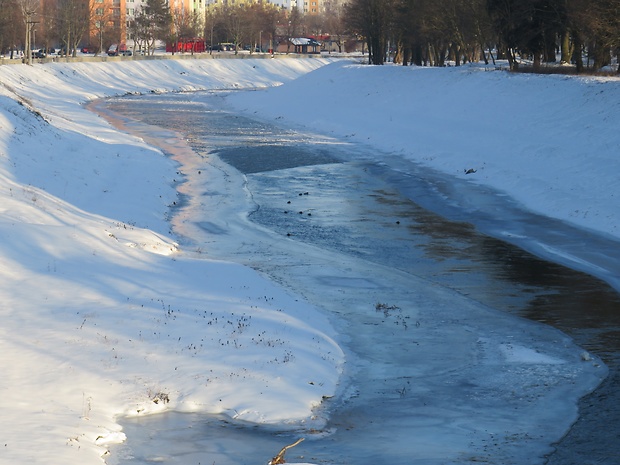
[29,37]
[29,9]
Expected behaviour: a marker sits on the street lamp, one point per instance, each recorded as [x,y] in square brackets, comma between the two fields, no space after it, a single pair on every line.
[211,45]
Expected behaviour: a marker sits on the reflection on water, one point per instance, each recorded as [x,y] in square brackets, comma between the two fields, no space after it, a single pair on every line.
[346,207]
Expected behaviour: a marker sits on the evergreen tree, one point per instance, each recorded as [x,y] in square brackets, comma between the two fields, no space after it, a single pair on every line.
[153,22]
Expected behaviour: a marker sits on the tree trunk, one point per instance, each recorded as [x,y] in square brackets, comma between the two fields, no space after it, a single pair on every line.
[491,54]
[456,51]
[399,55]
[601,55]
[512,60]
[407,55]
[550,47]
[565,48]
[537,61]
[417,55]
[377,52]
[577,49]
[440,56]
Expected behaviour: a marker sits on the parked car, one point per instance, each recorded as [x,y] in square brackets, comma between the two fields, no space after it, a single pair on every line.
[39,53]
[63,52]
[126,53]
[115,49]
[224,47]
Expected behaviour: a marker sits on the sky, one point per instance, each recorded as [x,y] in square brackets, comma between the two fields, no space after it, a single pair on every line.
[105,315]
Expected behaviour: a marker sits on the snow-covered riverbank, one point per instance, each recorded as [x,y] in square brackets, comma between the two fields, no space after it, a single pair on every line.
[104,315]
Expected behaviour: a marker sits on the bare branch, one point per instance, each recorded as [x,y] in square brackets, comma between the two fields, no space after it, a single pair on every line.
[279,459]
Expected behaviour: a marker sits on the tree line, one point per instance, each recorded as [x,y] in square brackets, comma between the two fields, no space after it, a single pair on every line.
[429,32]
[74,24]
[263,26]
[26,24]
[585,33]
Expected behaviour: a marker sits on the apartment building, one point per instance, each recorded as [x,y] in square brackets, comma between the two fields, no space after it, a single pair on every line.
[305,6]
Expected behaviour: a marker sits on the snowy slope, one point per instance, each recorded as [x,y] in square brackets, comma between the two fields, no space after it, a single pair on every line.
[104,315]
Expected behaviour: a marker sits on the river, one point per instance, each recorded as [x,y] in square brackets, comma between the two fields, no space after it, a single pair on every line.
[387,229]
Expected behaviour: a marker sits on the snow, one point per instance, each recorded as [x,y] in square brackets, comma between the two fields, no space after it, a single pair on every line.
[514,353]
[105,315]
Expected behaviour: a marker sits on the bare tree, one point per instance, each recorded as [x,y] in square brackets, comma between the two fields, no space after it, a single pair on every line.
[73,20]
[334,24]
[373,20]
[103,25]
[254,24]
[292,28]
[529,27]
[209,28]
[235,23]
[11,31]
[185,25]
[596,26]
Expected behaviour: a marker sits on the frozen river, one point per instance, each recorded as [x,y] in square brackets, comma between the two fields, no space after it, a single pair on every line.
[439,369]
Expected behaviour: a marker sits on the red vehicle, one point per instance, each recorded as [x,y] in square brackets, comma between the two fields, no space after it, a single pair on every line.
[186,46]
